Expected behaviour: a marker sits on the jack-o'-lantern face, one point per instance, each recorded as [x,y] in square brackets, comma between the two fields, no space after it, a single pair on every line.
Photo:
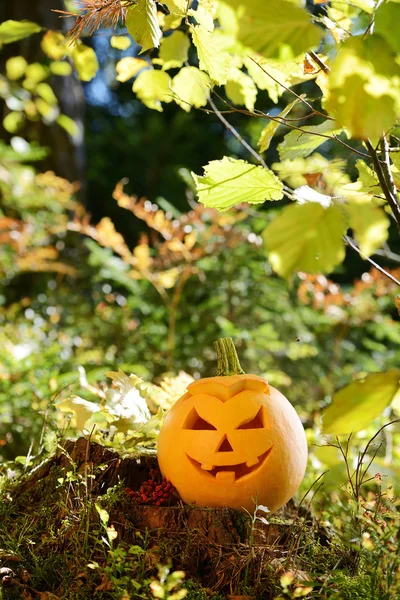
[231,440]
[226,443]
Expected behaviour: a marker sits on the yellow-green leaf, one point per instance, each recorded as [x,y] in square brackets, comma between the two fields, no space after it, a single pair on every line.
[276,28]
[128,67]
[45,91]
[230,181]
[61,68]
[297,144]
[120,42]
[370,225]
[16,67]
[241,89]
[174,50]
[12,31]
[306,237]
[364,87]
[387,23]
[54,45]
[69,125]
[212,60]
[153,87]
[269,130]
[13,121]
[191,87]
[356,406]
[85,61]
[142,24]
[274,76]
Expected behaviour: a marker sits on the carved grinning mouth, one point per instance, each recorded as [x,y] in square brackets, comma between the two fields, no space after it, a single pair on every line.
[230,473]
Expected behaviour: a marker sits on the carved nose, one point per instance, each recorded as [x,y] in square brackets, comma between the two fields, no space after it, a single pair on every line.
[224,445]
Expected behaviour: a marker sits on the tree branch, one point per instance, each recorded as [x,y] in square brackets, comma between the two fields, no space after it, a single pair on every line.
[382,169]
[353,245]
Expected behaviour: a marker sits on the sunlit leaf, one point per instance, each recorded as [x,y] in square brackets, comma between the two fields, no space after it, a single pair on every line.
[387,23]
[174,50]
[274,76]
[54,45]
[129,66]
[69,125]
[85,61]
[61,68]
[364,87]
[356,406]
[370,225]
[306,237]
[153,87]
[16,67]
[229,182]
[215,62]
[191,87]
[12,31]
[13,121]
[269,130]
[45,91]
[120,42]
[241,89]
[142,24]
[275,27]
[297,144]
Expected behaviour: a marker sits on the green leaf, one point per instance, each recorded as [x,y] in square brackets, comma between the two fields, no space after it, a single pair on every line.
[54,45]
[354,407]
[277,28]
[103,514]
[61,68]
[191,87]
[274,76]
[142,24]
[12,31]
[241,89]
[13,121]
[85,61]
[364,87]
[153,87]
[297,144]
[46,93]
[120,42]
[306,237]
[174,50]
[212,60]
[229,181]
[69,125]
[16,67]
[370,225]
[269,130]
[129,66]
[387,23]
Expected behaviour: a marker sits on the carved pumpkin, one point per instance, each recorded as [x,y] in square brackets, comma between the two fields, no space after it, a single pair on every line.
[232,440]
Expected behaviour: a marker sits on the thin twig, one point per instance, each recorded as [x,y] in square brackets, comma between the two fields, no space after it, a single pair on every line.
[310,106]
[381,169]
[287,190]
[351,243]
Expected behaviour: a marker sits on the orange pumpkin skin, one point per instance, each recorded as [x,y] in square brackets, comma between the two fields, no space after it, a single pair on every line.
[231,441]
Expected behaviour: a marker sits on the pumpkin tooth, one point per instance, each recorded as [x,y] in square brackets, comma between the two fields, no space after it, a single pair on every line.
[225,476]
[207,467]
[252,461]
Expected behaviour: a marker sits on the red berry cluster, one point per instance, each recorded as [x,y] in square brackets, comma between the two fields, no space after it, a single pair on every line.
[153,491]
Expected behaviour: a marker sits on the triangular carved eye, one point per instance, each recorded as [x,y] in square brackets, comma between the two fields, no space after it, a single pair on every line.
[194,421]
[256,423]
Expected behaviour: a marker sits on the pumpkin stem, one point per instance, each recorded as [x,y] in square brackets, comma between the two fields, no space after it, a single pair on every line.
[228,361]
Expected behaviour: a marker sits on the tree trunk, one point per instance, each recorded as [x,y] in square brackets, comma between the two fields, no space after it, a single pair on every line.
[66,156]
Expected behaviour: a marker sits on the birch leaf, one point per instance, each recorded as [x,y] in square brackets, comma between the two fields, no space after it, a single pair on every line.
[142,24]
[230,181]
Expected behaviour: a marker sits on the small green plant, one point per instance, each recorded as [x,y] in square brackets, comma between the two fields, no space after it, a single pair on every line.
[167,584]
